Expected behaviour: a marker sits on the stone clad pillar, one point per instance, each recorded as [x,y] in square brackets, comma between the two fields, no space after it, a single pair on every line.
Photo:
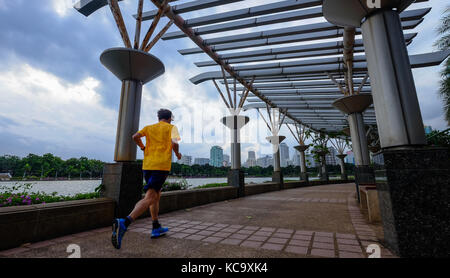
[411,180]
[236,175]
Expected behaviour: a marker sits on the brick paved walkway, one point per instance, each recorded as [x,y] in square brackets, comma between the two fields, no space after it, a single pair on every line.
[321,221]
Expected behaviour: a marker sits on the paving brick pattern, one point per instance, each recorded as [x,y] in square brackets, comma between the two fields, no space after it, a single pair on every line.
[300,200]
[364,233]
[304,243]
[300,242]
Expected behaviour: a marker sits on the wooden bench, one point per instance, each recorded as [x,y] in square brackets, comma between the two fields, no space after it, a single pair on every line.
[369,202]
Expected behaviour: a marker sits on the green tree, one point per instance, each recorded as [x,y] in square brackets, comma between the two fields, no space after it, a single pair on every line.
[27,169]
[443,44]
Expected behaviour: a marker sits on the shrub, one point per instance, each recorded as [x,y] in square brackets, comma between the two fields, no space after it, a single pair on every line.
[173,186]
[439,138]
[23,196]
[212,185]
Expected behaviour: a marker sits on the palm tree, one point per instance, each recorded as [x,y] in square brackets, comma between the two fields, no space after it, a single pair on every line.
[444,43]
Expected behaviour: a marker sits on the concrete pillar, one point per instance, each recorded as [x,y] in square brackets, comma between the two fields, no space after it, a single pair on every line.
[277,175]
[303,168]
[236,175]
[123,179]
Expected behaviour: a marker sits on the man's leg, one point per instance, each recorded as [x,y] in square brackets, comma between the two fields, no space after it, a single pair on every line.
[157,230]
[151,196]
[154,208]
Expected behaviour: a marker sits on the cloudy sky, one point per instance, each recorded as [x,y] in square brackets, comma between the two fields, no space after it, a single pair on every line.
[57,97]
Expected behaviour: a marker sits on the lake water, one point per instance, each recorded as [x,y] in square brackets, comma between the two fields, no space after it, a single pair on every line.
[72,187]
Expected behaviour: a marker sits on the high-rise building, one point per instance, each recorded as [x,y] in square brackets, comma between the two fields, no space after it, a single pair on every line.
[310,161]
[284,154]
[428,129]
[296,158]
[186,160]
[226,160]
[264,161]
[350,158]
[201,161]
[216,156]
[251,160]
[251,155]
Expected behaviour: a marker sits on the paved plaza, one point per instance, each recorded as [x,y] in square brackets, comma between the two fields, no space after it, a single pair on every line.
[310,222]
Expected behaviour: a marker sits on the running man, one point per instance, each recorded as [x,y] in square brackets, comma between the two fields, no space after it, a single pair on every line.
[160,140]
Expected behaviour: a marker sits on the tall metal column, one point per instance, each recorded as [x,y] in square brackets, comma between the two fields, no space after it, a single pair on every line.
[353,106]
[128,123]
[303,169]
[412,180]
[276,158]
[359,139]
[277,175]
[236,175]
[323,166]
[394,93]
[342,164]
[123,179]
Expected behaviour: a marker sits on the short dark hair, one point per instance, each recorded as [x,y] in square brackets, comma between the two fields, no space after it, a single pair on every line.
[164,114]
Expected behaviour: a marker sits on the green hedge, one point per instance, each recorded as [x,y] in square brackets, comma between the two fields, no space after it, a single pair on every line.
[24,197]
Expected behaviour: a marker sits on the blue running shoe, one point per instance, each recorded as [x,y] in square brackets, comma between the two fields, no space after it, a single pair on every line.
[159,232]
[118,230]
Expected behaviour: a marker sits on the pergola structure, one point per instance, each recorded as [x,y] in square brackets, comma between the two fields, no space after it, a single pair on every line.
[302,86]
[328,78]
[307,69]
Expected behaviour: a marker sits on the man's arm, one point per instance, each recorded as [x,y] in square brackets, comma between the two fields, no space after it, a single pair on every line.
[137,139]
[175,139]
[176,148]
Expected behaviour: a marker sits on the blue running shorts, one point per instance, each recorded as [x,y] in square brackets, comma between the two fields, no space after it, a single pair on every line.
[155,179]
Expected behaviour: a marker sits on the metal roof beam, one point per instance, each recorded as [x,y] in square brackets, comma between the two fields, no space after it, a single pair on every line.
[189,7]
[338,45]
[283,32]
[409,23]
[304,84]
[266,9]
[180,22]
[325,92]
[291,78]
[416,61]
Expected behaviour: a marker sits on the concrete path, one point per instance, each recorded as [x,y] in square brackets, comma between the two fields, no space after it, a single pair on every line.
[320,221]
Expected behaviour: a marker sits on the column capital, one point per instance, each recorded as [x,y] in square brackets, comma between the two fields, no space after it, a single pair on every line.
[350,13]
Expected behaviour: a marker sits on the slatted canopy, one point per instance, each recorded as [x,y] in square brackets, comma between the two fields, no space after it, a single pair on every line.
[291,59]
